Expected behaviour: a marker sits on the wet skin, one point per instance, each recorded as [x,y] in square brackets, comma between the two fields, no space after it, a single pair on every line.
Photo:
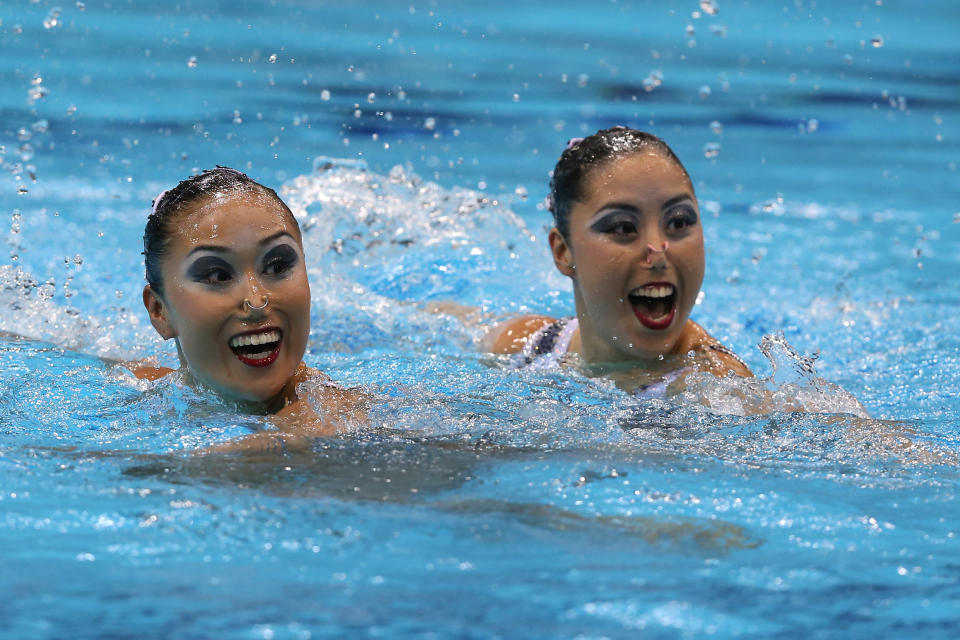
[630,203]
[224,250]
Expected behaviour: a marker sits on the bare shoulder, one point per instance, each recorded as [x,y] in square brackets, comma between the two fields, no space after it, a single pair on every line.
[510,336]
[711,355]
[145,371]
[322,407]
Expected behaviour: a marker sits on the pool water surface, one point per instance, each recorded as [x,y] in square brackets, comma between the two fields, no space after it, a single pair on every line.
[414,142]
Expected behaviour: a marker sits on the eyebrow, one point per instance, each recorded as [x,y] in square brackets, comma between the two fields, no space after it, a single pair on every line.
[626,206]
[214,248]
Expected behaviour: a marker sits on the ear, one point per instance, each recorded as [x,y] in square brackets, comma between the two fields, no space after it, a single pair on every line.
[562,255]
[157,309]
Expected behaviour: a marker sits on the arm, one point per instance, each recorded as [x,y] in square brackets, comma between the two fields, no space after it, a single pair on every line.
[511,335]
[711,356]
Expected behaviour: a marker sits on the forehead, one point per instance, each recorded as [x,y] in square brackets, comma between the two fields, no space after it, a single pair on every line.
[648,174]
[240,215]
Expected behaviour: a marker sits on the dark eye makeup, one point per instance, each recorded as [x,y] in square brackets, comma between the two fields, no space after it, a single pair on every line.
[681,217]
[210,270]
[279,260]
[617,223]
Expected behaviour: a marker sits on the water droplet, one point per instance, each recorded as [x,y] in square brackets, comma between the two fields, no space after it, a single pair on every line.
[273,58]
[521,191]
[848,59]
[516,97]
[709,7]
[40,126]
[72,109]
[371,97]
[719,30]
[325,95]
[876,42]
[711,150]
[81,6]
[653,80]
[192,62]
[690,31]
[704,92]
[716,127]
[78,260]
[430,124]
[52,20]
[22,190]
[236,117]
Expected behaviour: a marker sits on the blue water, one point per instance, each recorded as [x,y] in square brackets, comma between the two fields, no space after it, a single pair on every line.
[485,502]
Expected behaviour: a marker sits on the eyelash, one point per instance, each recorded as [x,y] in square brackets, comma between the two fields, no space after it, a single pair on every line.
[617,227]
[280,264]
[684,215]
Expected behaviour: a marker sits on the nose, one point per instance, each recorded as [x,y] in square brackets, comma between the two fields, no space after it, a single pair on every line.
[654,256]
[254,295]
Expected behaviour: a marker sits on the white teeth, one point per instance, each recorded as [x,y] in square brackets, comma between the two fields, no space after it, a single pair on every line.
[253,339]
[654,291]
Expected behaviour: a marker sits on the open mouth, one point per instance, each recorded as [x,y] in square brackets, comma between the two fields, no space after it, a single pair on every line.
[257,348]
[654,304]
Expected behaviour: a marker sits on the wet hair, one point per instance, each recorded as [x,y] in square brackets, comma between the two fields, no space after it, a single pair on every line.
[167,206]
[583,155]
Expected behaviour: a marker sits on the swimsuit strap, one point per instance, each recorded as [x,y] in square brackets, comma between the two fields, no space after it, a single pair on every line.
[548,346]
[722,349]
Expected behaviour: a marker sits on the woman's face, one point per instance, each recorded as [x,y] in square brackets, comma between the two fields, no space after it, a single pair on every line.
[633,298]
[226,256]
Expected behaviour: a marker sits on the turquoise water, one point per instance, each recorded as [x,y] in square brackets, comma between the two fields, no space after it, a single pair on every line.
[486,502]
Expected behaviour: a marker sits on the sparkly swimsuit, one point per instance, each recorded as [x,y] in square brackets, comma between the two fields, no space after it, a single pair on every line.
[547,348]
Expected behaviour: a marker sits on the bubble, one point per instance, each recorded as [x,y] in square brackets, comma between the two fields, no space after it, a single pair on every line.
[325,95]
[704,92]
[72,109]
[81,6]
[40,126]
[273,58]
[716,127]
[848,59]
[22,190]
[711,150]
[192,62]
[956,218]
[371,97]
[237,119]
[876,42]
[521,192]
[719,30]
[78,260]
[516,97]
[430,124]
[709,7]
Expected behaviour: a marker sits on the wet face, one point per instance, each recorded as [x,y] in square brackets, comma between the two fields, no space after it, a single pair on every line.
[227,256]
[635,255]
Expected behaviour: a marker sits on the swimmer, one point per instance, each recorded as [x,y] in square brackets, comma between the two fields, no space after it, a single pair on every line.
[627,232]
[227,282]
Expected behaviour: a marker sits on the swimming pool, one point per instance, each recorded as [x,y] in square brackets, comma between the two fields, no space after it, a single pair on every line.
[824,143]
